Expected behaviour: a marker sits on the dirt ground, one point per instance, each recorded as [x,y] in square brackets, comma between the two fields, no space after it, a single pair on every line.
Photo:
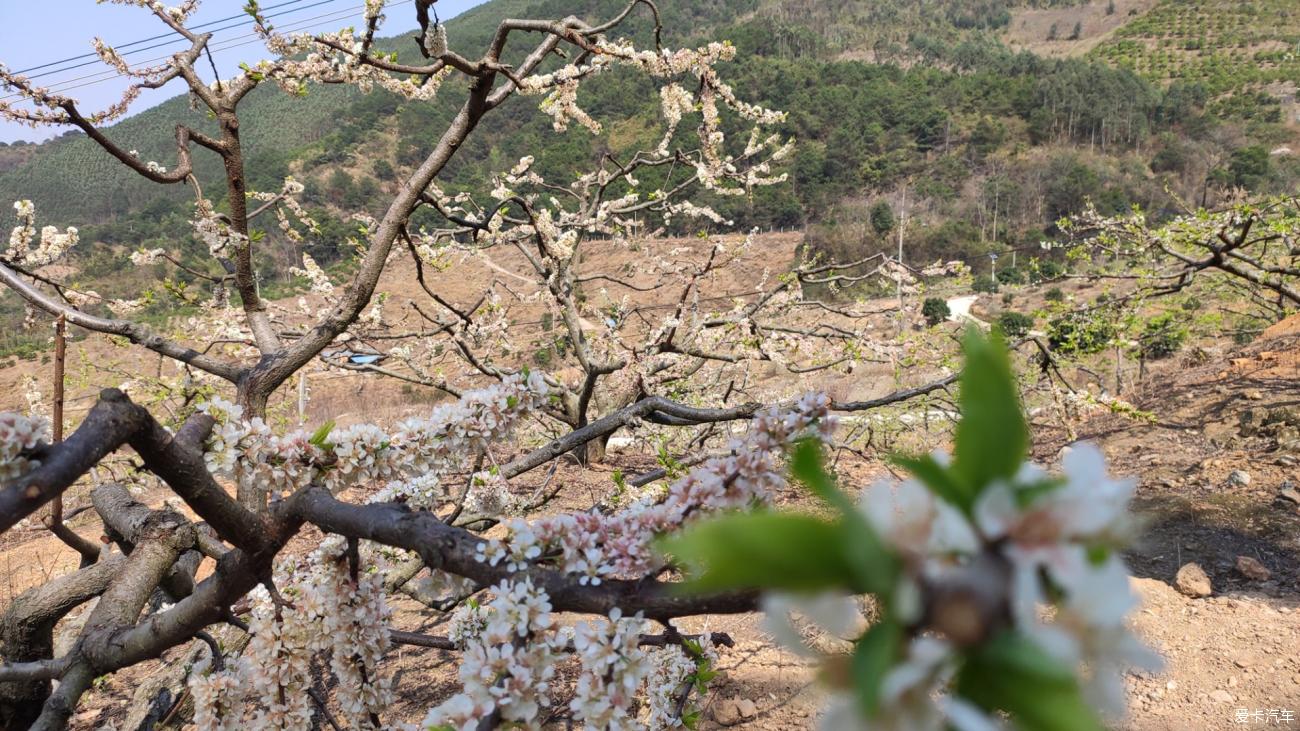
[1030,26]
[1215,469]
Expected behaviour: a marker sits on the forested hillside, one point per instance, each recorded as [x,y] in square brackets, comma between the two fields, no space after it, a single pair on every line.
[992,145]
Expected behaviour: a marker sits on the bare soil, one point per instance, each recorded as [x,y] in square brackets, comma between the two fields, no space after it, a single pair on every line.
[1232,652]
[1030,26]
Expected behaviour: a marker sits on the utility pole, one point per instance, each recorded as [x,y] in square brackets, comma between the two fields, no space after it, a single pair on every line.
[902,223]
[60,359]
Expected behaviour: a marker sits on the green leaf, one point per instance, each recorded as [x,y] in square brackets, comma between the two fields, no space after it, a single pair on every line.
[762,551]
[871,564]
[939,479]
[992,437]
[875,653]
[1011,673]
[806,466]
[320,435]
[1026,495]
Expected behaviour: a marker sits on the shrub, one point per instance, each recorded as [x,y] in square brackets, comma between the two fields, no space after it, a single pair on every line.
[1015,324]
[1007,299]
[935,311]
[1080,332]
[1162,336]
[1249,166]
[984,284]
[1055,295]
[882,218]
[1043,271]
[1011,275]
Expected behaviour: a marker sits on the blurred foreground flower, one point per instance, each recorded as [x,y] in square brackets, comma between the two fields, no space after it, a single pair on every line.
[1001,589]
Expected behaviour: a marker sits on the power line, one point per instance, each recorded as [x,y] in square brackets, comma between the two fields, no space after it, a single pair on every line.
[136,43]
[226,44]
[108,74]
[173,39]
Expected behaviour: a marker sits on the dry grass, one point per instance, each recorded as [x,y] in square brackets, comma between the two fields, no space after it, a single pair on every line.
[1030,27]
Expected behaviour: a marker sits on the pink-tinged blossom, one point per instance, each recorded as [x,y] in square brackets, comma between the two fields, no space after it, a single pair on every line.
[19,435]
[327,611]
[592,546]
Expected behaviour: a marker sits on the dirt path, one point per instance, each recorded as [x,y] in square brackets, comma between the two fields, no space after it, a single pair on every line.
[959,308]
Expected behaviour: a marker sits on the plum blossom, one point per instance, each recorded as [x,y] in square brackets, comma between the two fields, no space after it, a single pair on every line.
[20,435]
[214,230]
[50,247]
[613,669]
[330,611]
[316,277]
[511,648]
[435,40]
[288,209]
[249,452]
[592,546]
[1046,532]
[468,623]
[489,495]
[145,257]
[671,668]
[1052,538]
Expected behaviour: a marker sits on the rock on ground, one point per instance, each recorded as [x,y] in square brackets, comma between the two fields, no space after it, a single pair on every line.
[1193,581]
[1252,569]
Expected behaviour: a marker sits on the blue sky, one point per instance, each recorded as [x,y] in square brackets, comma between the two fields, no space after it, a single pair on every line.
[37,33]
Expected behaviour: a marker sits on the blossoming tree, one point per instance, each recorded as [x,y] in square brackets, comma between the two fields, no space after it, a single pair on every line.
[611,336]
[349,57]
[960,561]
[416,494]
[1247,247]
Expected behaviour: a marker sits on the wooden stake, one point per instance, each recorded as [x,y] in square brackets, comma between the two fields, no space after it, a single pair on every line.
[60,357]
[302,398]
[89,551]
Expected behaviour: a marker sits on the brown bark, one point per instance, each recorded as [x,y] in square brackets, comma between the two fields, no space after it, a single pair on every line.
[27,634]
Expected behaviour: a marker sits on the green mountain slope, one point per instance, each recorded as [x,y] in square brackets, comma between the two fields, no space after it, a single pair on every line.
[73,182]
[991,145]
[1246,55]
